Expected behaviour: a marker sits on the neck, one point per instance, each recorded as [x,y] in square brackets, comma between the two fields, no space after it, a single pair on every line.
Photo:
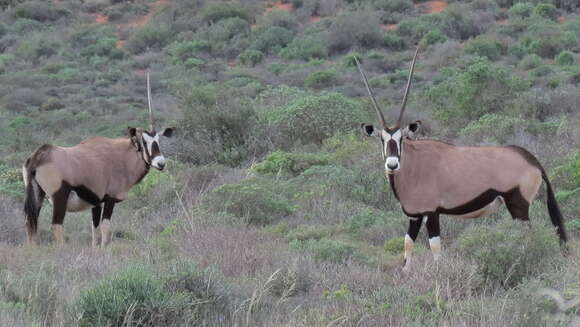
[137,166]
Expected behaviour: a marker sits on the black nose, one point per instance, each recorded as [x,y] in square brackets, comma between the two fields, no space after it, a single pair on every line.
[393,166]
[161,166]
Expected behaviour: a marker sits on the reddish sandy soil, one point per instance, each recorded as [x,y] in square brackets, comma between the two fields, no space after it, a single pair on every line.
[389,27]
[278,5]
[502,22]
[314,19]
[138,22]
[431,7]
[101,19]
[561,19]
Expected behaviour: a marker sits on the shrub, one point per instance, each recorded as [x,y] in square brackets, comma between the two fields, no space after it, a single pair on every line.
[546,10]
[395,245]
[393,42]
[304,49]
[40,11]
[530,62]
[317,80]
[433,37]
[325,250]
[547,40]
[136,295]
[11,181]
[400,6]
[565,58]
[273,39]
[313,118]
[149,37]
[508,252]
[217,11]
[485,46]
[290,163]
[467,94]
[354,29]
[181,52]
[281,19]
[521,10]
[256,200]
[251,57]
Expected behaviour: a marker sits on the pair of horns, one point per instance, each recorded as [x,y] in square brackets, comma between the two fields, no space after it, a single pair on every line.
[149,102]
[375,104]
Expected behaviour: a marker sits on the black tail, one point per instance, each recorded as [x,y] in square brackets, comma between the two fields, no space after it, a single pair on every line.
[554,210]
[34,194]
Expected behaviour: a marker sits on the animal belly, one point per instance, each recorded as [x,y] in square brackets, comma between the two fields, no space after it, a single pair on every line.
[487,210]
[75,203]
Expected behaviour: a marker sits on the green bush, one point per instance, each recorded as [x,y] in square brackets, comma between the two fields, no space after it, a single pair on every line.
[481,87]
[139,296]
[433,37]
[530,62]
[318,80]
[325,250]
[256,200]
[546,10]
[395,246]
[364,218]
[354,29]
[273,39]
[400,6]
[453,22]
[509,251]
[521,10]
[181,52]
[251,57]
[312,118]
[304,49]
[41,11]
[485,46]
[149,37]
[217,11]
[565,58]
[547,40]
[280,162]
[393,42]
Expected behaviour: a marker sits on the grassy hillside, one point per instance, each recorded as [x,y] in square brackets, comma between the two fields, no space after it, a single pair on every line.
[274,210]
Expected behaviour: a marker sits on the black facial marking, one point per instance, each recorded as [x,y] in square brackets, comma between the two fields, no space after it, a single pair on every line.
[392,149]
[155,149]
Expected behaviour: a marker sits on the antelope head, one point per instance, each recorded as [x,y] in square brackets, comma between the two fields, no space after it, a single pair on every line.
[391,137]
[147,141]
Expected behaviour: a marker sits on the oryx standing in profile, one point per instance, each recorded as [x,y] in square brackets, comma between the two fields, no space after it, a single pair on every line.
[430,177]
[95,173]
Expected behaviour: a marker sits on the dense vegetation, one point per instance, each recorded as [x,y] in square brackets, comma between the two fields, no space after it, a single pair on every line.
[273,210]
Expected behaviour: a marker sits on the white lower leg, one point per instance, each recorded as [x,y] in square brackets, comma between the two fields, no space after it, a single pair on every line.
[105,231]
[95,235]
[408,250]
[435,245]
[58,233]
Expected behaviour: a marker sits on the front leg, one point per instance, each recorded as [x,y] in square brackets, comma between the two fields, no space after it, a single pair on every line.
[106,222]
[413,231]
[59,203]
[95,225]
[434,235]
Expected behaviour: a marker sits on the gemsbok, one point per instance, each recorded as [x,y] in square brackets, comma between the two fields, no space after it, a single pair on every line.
[430,177]
[97,172]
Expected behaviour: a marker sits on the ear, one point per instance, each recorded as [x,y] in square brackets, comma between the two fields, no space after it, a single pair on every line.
[411,130]
[368,129]
[132,131]
[167,132]
[414,127]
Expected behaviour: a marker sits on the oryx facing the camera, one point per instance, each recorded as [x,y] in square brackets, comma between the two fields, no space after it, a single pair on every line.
[430,177]
[97,172]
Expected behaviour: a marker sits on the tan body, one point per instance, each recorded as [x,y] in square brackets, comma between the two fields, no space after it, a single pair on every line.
[98,170]
[431,172]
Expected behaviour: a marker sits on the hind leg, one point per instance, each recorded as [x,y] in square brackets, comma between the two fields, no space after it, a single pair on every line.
[31,229]
[95,225]
[518,206]
[59,202]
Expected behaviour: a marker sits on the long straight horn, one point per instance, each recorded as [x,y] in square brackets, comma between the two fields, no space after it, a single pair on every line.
[408,88]
[375,104]
[149,101]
